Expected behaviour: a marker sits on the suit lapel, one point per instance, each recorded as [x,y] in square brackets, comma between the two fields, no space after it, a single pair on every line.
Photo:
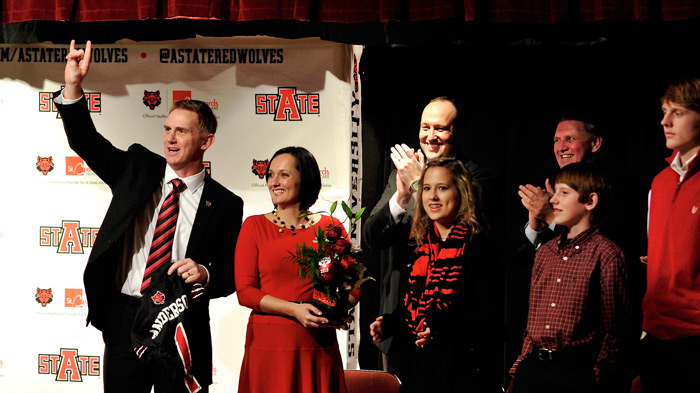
[205,211]
[128,201]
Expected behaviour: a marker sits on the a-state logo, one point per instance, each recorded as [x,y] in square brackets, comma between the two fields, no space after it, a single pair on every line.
[207,167]
[44,164]
[74,298]
[46,104]
[76,166]
[287,105]
[151,99]
[69,366]
[43,296]
[70,237]
[260,168]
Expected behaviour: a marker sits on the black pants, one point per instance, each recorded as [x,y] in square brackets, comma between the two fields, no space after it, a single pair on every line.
[572,373]
[123,371]
[669,366]
[447,365]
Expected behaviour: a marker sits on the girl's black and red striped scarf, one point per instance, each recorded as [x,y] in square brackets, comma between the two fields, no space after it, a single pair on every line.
[434,280]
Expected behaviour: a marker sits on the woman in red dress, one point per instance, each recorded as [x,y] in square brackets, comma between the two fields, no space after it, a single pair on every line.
[289,346]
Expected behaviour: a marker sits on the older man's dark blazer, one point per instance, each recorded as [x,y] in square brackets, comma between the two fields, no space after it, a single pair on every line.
[133,176]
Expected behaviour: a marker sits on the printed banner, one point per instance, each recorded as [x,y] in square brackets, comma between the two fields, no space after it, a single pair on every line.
[353,340]
[266,93]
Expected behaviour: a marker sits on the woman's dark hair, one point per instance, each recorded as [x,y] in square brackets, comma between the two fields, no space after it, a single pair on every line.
[310,174]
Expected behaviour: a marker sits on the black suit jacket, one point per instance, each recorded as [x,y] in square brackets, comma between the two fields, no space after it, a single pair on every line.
[133,176]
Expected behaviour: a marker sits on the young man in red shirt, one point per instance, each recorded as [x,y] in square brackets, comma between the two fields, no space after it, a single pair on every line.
[670,350]
[579,306]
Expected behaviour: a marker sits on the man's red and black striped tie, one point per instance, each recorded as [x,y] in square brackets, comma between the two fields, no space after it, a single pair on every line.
[163,236]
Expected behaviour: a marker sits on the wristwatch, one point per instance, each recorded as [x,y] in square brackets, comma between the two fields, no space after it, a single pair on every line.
[414,186]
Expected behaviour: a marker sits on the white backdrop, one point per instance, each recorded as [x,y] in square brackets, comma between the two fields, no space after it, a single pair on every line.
[267,94]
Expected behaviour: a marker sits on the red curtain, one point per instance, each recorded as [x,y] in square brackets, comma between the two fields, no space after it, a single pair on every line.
[521,11]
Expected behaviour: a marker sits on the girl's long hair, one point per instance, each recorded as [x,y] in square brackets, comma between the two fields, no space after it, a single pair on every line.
[468,215]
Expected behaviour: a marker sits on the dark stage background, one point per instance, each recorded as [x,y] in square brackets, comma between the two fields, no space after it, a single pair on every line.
[513,79]
[512,96]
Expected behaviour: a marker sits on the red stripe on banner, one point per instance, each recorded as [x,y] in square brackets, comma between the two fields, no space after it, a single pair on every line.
[183,348]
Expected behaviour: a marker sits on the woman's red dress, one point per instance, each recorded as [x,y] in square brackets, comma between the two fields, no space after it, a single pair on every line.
[280,354]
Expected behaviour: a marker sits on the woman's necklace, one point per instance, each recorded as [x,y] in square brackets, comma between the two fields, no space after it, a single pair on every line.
[277,220]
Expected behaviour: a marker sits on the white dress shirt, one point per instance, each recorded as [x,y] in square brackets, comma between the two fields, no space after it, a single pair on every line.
[397,212]
[534,236]
[130,272]
[145,225]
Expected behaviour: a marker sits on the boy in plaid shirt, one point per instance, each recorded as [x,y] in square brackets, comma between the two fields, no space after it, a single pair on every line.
[578,297]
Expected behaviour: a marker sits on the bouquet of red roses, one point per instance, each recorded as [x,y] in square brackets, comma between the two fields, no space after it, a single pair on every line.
[333,267]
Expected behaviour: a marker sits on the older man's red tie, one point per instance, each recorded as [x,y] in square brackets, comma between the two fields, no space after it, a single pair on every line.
[163,236]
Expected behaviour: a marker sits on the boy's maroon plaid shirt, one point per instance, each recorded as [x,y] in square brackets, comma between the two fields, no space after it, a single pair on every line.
[578,296]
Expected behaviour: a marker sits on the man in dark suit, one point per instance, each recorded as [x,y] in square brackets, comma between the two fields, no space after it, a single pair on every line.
[577,138]
[205,233]
[389,224]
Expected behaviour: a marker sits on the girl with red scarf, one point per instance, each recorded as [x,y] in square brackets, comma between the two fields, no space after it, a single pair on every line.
[450,322]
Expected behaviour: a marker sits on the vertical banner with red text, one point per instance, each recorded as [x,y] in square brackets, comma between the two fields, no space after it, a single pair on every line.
[355,202]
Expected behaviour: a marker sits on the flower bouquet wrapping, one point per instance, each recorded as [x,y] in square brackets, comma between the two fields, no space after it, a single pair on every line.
[333,266]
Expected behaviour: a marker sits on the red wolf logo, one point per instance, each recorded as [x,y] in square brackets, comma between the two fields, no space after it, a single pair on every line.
[158,298]
[44,296]
[44,164]
[260,168]
[151,99]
